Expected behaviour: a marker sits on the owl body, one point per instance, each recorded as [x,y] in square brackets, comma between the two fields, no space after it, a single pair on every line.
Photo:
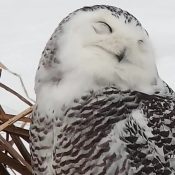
[101,106]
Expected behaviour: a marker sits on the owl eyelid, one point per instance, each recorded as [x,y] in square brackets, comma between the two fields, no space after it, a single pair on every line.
[140,41]
[110,29]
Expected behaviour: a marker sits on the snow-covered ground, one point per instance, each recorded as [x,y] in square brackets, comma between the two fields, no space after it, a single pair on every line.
[25,27]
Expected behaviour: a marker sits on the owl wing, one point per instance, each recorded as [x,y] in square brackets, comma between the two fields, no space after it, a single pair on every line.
[48,69]
[41,142]
[116,132]
[41,131]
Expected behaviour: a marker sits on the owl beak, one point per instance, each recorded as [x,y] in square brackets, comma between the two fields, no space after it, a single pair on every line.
[121,55]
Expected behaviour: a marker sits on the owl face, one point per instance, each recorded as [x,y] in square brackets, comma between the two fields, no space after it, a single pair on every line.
[106,46]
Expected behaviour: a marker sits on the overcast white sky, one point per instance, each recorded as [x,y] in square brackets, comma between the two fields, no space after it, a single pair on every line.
[25,27]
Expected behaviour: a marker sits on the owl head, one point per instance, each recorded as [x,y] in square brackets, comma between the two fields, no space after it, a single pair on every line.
[100,46]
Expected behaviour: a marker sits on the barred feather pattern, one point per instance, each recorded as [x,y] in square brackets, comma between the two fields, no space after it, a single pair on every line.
[110,132]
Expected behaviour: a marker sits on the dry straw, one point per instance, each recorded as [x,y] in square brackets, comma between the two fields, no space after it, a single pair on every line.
[14,155]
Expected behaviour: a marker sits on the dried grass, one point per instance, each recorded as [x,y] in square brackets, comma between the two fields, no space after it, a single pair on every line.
[14,155]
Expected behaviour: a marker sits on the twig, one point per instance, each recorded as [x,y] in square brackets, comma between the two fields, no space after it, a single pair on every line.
[1,110]
[3,170]
[15,93]
[21,147]
[14,119]
[2,66]
[6,117]
[14,153]
[20,132]
[13,171]
[16,159]
[14,164]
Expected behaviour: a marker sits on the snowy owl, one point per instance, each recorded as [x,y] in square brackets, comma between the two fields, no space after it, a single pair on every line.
[101,106]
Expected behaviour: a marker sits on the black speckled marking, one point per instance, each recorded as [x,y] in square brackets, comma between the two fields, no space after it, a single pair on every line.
[115,11]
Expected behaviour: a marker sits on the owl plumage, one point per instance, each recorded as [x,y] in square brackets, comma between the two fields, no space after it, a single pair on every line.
[101,107]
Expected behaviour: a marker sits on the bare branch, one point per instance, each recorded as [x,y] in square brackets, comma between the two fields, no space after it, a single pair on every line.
[20,145]
[12,163]
[5,117]
[20,132]
[17,117]
[2,66]
[14,153]
[3,170]
[15,93]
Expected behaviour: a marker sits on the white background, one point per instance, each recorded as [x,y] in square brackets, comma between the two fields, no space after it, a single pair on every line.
[25,27]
